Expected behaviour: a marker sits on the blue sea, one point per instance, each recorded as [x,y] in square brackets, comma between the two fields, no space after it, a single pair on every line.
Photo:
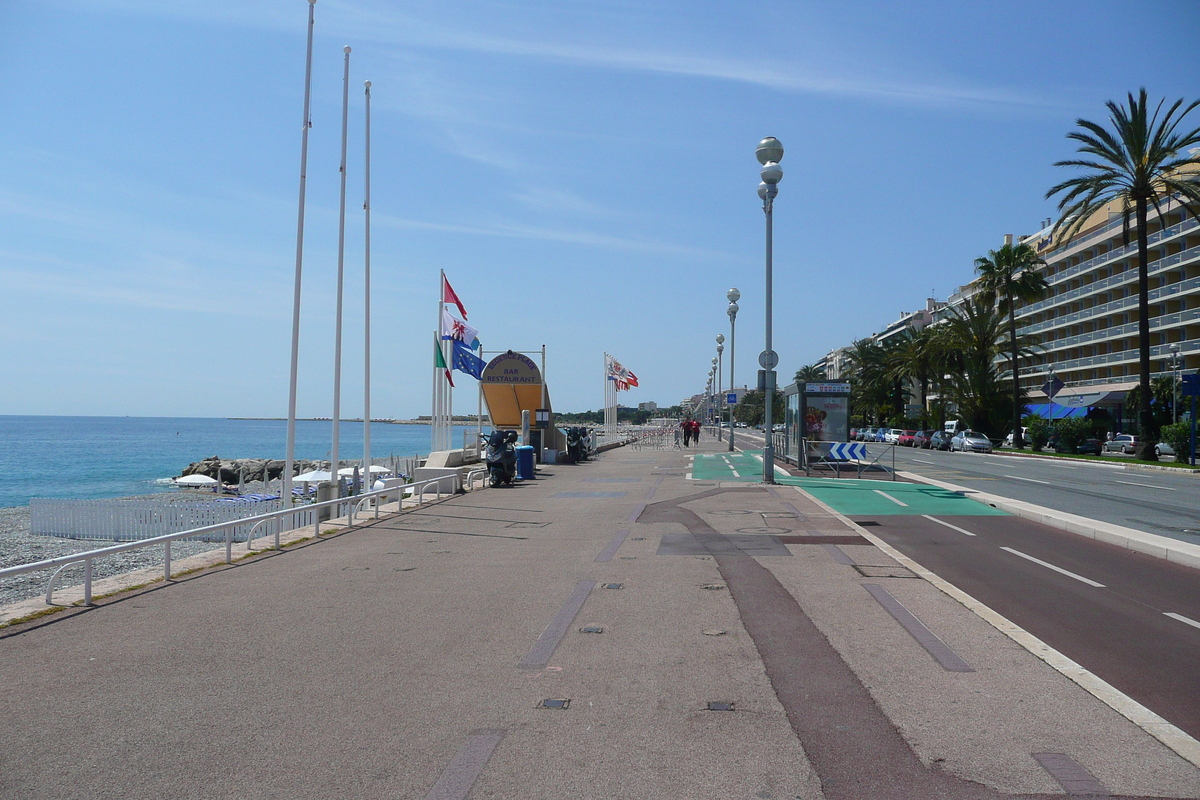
[94,457]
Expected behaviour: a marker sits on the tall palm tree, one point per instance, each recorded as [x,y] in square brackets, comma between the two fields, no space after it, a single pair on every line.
[915,357]
[1008,275]
[869,390]
[810,372]
[1137,162]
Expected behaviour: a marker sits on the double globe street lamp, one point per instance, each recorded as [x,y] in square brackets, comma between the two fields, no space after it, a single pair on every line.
[720,379]
[769,153]
[734,295]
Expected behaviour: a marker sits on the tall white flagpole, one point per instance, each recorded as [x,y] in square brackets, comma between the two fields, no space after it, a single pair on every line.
[337,338]
[289,458]
[367,296]
[439,407]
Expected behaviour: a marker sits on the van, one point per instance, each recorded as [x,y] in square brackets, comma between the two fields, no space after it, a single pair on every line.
[951,426]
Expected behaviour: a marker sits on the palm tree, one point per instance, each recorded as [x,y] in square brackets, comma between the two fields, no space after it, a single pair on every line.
[811,372]
[915,357]
[1138,162]
[869,391]
[1008,275]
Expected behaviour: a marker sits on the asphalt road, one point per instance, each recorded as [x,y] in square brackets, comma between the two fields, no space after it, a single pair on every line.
[1162,502]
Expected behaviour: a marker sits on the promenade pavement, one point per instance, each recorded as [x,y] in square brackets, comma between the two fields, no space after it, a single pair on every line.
[614,629]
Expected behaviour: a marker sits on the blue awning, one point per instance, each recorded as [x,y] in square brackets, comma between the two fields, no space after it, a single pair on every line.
[1055,411]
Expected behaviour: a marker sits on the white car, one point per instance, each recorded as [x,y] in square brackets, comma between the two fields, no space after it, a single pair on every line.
[892,436]
[970,440]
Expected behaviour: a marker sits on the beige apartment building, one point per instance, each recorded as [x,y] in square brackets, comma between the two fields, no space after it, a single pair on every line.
[1088,324]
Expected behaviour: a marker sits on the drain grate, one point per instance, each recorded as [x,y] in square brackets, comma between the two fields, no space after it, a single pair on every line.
[728,512]
[613,586]
[869,523]
[713,587]
[592,629]
[869,571]
[639,538]
[715,632]
[720,705]
[527,524]
[560,703]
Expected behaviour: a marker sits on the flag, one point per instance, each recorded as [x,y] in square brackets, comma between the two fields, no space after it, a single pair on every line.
[439,361]
[448,296]
[457,329]
[466,361]
[620,375]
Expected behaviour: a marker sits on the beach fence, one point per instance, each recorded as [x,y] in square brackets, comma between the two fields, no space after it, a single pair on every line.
[135,520]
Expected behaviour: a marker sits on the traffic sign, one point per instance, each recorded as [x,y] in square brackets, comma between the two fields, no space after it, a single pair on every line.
[846,451]
[1191,385]
[731,398]
[768,359]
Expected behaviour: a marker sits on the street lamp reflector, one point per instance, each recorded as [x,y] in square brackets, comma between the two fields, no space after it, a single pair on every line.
[772,174]
[733,309]
[769,150]
[720,338]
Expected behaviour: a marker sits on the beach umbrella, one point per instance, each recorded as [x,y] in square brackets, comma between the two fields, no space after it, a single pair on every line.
[316,476]
[195,480]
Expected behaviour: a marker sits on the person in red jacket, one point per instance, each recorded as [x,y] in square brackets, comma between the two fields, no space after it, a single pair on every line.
[686,426]
[696,431]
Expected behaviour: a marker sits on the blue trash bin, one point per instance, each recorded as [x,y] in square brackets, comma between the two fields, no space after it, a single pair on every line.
[525,463]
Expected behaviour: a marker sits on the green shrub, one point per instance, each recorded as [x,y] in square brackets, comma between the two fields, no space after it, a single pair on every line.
[1039,432]
[1072,432]
[1179,436]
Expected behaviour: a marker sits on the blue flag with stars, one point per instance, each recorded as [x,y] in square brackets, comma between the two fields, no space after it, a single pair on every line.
[466,361]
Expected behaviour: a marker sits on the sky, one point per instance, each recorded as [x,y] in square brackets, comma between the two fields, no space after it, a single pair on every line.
[583,171]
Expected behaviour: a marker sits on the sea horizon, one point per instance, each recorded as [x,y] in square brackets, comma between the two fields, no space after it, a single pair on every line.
[106,456]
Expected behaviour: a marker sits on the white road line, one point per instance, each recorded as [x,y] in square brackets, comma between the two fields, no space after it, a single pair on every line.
[688,476]
[736,474]
[1031,480]
[889,497]
[1147,485]
[947,524]
[1059,570]
[920,461]
[1182,619]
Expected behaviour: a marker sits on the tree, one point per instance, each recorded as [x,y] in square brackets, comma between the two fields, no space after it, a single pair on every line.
[915,357]
[1138,163]
[809,373]
[750,409]
[1010,274]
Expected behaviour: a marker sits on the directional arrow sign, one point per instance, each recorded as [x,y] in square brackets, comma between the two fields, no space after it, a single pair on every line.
[845,451]
[768,359]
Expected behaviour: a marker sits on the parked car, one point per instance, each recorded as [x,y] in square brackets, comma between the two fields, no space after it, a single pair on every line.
[1090,447]
[1123,443]
[1008,440]
[881,434]
[921,439]
[892,435]
[1164,449]
[853,435]
[970,440]
[940,440]
[906,438]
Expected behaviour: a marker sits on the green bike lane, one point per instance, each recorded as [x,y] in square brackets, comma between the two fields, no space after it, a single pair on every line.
[1127,617]
[848,496]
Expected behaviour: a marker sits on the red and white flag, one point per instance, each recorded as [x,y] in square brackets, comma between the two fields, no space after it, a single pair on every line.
[448,296]
[623,378]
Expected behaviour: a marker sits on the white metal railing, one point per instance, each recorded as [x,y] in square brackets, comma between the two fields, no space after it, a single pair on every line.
[128,520]
[297,519]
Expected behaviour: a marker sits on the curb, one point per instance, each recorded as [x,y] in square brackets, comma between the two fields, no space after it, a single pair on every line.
[1158,546]
[1110,464]
[1171,736]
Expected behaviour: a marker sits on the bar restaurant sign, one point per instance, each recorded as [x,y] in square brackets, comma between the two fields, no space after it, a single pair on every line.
[513,369]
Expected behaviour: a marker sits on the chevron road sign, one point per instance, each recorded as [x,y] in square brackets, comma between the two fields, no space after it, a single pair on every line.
[845,451]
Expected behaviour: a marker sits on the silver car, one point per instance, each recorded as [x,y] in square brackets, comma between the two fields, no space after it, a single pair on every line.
[970,440]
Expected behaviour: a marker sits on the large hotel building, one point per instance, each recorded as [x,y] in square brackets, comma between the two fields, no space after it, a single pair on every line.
[1087,324]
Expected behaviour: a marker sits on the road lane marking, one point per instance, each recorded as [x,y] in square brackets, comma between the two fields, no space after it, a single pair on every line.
[736,474]
[1031,480]
[1147,485]
[889,497]
[1059,570]
[922,461]
[947,524]
[1182,619]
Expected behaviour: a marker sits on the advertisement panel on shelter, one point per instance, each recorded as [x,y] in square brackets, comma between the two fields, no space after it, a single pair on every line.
[826,412]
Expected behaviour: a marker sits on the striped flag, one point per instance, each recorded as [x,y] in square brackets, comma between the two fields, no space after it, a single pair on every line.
[439,361]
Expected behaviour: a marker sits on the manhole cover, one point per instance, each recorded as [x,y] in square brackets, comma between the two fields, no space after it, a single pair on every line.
[555,702]
[764,530]
[884,572]
[728,512]
[720,705]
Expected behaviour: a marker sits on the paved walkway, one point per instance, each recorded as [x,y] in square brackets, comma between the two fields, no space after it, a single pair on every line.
[611,630]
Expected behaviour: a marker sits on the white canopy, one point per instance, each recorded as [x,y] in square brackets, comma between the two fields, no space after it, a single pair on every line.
[195,480]
[316,476]
[375,470]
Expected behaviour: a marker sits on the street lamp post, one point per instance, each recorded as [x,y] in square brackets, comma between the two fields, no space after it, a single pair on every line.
[720,381]
[1175,383]
[716,387]
[769,153]
[734,295]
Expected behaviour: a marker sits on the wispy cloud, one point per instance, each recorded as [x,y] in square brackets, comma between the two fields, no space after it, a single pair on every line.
[578,237]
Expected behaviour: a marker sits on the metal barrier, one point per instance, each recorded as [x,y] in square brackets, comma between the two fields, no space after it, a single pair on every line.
[469,481]
[300,517]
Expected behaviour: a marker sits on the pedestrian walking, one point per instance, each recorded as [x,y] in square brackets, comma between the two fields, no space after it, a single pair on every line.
[686,427]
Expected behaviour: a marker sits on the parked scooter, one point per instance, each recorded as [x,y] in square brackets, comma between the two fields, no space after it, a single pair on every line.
[576,451]
[501,456]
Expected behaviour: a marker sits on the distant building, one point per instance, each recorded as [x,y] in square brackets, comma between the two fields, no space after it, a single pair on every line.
[649,405]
